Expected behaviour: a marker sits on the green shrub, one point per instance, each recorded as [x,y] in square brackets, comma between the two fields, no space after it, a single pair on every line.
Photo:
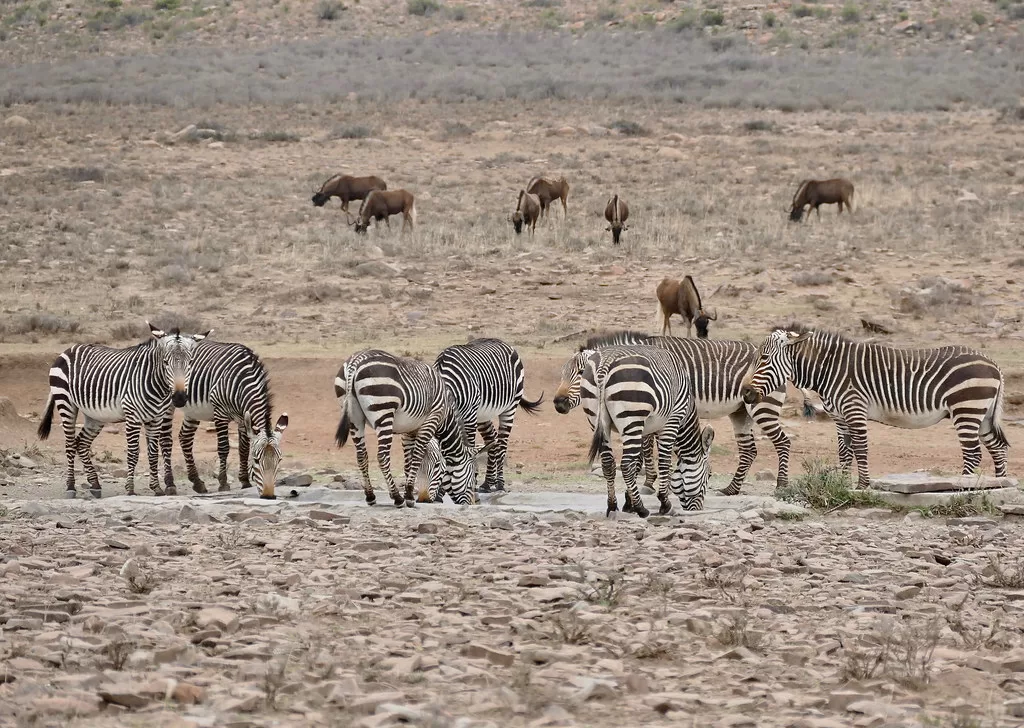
[979,18]
[329,9]
[712,17]
[826,488]
[422,7]
[851,13]
[166,4]
[686,20]
[803,11]
[628,128]
[768,19]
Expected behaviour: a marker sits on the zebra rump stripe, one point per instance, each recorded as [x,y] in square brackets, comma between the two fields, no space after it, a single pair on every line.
[907,388]
[484,379]
[138,385]
[229,384]
[644,390]
[404,396]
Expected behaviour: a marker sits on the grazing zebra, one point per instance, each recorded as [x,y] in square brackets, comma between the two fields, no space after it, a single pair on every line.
[645,390]
[717,370]
[406,396]
[139,385]
[908,388]
[485,381]
[230,384]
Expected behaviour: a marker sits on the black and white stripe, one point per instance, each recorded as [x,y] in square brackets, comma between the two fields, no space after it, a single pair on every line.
[229,384]
[908,388]
[399,395]
[484,379]
[645,390]
[139,385]
[717,370]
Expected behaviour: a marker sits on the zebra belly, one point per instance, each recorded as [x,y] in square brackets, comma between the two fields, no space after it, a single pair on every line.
[906,420]
[488,414]
[404,422]
[707,410]
[198,412]
[109,413]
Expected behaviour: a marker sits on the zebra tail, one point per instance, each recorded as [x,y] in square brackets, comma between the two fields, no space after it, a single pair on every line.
[995,417]
[601,426]
[345,424]
[44,427]
[531,407]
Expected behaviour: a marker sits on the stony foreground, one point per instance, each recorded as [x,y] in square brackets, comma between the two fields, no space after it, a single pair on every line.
[236,612]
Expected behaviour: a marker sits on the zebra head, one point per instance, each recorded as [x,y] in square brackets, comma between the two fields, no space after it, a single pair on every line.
[174,352]
[458,476]
[567,396]
[689,480]
[432,474]
[265,454]
[774,365]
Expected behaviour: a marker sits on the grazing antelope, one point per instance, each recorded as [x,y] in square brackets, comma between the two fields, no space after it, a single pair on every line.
[548,190]
[815,193]
[346,188]
[381,205]
[616,212]
[527,212]
[682,297]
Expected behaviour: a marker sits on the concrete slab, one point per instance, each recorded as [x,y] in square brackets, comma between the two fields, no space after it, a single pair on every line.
[924,482]
[914,500]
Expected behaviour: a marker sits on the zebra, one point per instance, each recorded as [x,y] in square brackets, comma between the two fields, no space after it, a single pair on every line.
[229,383]
[908,388]
[396,394]
[645,390]
[485,381]
[138,385]
[717,369]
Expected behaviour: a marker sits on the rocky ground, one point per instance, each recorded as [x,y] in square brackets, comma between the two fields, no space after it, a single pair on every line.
[235,612]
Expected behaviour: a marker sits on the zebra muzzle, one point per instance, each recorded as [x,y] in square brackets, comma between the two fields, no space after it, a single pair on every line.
[179,399]
[751,395]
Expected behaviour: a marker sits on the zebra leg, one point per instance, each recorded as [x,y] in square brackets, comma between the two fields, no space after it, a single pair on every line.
[492,480]
[857,425]
[153,437]
[608,469]
[359,438]
[768,415]
[497,456]
[666,446]
[967,431]
[166,444]
[243,458]
[68,416]
[650,464]
[83,443]
[223,450]
[997,449]
[186,439]
[843,438]
[632,453]
[385,435]
[743,427]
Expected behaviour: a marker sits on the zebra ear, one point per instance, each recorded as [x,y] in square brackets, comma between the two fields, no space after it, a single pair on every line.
[157,333]
[200,337]
[794,338]
[282,425]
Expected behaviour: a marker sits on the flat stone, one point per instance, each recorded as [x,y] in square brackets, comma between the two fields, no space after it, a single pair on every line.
[907,483]
[130,696]
[482,652]
[223,619]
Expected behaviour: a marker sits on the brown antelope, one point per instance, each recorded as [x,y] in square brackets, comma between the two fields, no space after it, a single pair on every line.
[837,191]
[548,190]
[682,297]
[381,205]
[347,188]
[616,212]
[527,212]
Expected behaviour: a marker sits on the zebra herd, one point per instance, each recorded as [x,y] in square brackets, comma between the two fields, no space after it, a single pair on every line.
[649,389]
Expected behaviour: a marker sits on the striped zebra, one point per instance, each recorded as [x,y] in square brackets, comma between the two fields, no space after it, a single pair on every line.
[485,381]
[139,385]
[908,388]
[399,395]
[645,390]
[717,370]
[230,384]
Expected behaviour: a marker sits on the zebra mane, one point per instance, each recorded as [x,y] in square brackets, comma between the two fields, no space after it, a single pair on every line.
[266,425]
[800,328]
[614,338]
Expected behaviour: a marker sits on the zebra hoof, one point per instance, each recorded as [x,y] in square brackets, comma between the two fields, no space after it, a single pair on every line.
[485,488]
[729,491]
[171,490]
[371,501]
[70,494]
[223,488]
[97,493]
[665,509]
[410,503]
[612,508]
[642,511]
[399,502]
[157,490]
[199,487]
[627,506]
